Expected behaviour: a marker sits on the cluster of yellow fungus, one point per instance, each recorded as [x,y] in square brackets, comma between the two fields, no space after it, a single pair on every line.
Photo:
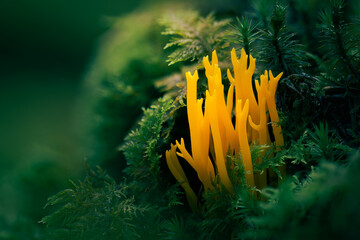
[212,132]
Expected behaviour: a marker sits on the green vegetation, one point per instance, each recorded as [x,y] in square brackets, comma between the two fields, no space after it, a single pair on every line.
[139,101]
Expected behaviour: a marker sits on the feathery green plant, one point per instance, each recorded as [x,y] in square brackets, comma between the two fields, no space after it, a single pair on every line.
[328,197]
[176,228]
[314,146]
[246,35]
[341,82]
[341,45]
[193,36]
[280,51]
[328,146]
[142,145]
[94,209]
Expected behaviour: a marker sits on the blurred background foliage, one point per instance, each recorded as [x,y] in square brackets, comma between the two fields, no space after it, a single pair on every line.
[76,75]
[45,49]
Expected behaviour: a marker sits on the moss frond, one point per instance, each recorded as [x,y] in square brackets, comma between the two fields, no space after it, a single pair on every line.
[193,35]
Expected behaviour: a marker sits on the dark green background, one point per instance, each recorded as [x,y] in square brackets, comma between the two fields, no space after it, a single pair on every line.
[45,49]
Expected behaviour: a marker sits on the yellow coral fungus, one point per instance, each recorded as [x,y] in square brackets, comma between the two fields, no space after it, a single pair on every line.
[175,168]
[212,129]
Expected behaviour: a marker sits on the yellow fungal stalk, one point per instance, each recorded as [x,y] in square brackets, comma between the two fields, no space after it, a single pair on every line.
[180,176]
[212,132]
